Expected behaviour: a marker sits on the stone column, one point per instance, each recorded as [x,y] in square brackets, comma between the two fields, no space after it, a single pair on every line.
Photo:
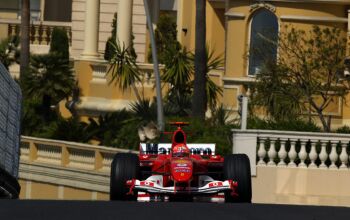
[92,17]
[155,12]
[42,10]
[124,22]
[179,21]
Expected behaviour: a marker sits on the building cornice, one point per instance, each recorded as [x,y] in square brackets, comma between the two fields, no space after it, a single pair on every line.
[237,15]
[342,2]
[313,18]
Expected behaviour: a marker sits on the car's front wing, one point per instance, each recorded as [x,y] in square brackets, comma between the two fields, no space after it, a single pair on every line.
[213,187]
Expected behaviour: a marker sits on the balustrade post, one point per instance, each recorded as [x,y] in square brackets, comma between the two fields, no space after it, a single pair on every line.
[272,153]
[313,155]
[323,155]
[40,33]
[32,33]
[48,35]
[98,160]
[64,156]
[302,154]
[344,157]
[11,30]
[33,151]
[261,153]
[333,156]
[292,154]
[282,153]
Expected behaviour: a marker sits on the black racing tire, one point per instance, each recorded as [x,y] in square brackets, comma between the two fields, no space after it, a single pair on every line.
[237,168]
[124,167]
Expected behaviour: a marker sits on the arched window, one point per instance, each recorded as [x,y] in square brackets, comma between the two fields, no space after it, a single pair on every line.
[263,31]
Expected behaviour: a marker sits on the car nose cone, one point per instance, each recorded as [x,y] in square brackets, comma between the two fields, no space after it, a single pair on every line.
[181,170]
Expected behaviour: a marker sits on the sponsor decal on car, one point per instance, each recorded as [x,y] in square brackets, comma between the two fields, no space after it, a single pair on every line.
[182,170]
[146,183]
[181,165]
[215,184]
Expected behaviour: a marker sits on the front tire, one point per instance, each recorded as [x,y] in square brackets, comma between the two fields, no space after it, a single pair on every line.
[124,167]
[237,168]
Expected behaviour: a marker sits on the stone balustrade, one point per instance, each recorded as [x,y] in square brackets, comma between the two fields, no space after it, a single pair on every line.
[293,149]
[40,31]
[67,154]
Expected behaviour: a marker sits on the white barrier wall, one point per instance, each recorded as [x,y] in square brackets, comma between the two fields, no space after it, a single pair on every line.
[305,168]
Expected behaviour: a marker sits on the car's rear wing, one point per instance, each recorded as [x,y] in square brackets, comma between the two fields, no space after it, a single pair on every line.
[165,148]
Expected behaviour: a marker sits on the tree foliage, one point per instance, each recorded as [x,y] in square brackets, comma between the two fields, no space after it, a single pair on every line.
[123,68]
[50,79]
[307,75]
[179,73]
[109,51]
[9,52]
[165,37]
[60,43]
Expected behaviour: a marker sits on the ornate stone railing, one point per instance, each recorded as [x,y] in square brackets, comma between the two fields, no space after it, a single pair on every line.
[67,154]
[40,31]
[293,149]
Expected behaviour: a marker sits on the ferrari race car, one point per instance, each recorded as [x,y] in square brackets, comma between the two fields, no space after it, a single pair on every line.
[179,171]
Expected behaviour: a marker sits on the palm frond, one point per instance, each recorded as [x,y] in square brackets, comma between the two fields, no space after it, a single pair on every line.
[123,68]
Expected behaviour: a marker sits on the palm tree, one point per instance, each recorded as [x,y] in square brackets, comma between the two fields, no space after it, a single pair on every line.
[25,20]
[106,128]
[50,79]
[178,69]
[199,90]
[123,69]
[178,73]
[145,110]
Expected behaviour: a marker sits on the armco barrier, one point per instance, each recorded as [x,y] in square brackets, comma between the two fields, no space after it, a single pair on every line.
[10,112]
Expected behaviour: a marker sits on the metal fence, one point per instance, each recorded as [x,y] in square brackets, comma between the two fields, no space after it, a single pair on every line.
[10,112]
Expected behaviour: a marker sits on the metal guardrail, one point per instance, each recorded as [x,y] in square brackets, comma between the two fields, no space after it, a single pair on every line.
[10,112]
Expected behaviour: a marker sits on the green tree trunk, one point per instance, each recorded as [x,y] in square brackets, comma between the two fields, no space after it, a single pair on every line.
[199,94]
[25,20]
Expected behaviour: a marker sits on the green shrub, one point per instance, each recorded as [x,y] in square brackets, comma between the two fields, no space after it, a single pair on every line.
[109,51]
[106,128]
[70,129]
[345,129]
[290,125]
[59,43]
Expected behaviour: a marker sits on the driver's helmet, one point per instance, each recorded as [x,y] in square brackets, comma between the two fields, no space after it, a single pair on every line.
[180,150]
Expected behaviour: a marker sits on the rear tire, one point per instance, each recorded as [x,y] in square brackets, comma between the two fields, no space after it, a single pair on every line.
[124,167]
[237,168]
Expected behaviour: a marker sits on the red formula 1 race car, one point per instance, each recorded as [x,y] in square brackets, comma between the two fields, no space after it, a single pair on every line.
[179,171]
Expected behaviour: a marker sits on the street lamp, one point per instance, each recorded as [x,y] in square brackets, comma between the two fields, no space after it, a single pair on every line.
[160,114]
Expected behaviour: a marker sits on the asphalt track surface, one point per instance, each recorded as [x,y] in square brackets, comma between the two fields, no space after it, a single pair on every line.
[42,209]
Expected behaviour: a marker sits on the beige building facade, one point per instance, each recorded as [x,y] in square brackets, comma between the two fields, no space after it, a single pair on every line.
[229,25]
[229,28]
